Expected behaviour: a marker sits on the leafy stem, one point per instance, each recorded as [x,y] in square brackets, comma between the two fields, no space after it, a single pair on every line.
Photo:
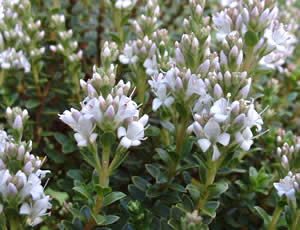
[248,64]
[275,218]
[36,80]
[295,222]
[2,77]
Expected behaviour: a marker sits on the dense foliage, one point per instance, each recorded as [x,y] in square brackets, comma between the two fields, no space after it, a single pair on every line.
[149,114]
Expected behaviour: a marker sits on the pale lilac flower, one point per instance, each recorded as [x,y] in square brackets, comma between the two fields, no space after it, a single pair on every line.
[35,209]
[85,128]
[134,134]
[128,57]
[244,139]
[223,23]
[286,187]
[151,66]
[212,135]
[254,119]
[123,4]
[162,98]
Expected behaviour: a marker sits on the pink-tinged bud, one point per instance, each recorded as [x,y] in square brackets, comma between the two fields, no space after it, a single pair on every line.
[218,92]
[239,22]
[24,114]
[197,128]
[239,60]
[79,54]
[199,10]
[18,123]
[285,161]
[245,91]
[106,52]
[224,60]
[8,112]
[109,99]
[234,52]
[195,43]
[263,17]
[185,23]
[179,56]
[83,84]
[239,120]
[279,139]
[21,151]
[38,164]
[278,151]
[254,13]
[204,67]
[12,190]
[28,167]
[110,112]
[91,91]
[178,83]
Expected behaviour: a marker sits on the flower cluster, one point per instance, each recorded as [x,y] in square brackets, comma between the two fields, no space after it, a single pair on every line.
[288,152]
[267,41]
[20,174]
[20,36]
[65,42]
[108,108]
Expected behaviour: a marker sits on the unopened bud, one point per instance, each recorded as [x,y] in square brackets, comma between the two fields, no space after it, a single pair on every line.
[18,123]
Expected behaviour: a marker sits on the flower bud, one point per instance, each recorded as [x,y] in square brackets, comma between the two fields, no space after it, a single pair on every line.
[110,112]
[240,120]
[18,123]
[284,161]
[12,190]
[28,167]
[218,92]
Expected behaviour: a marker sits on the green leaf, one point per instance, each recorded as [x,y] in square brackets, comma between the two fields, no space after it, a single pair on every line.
[153,170]
[164,156]
[177,187]
[194,191]
[140,183]
[110,219]
[61,197]
[262,213]
[102,191]
[210,208]
[31,103]
[113,197]
[251,38]
[99,219]
[215,190]
[83,191]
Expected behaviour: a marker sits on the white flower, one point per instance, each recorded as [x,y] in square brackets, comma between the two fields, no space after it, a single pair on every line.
[286,187]
[254,119]
[223,23]
[244,139]
[85,128]
[4,175]
[123,4]
[151,66]
[213,135]
[127,109]
[35,210]
[128,57]
[222,109]
[3,139]
[134,133]
[156,81]
[203,104]
[277,37]
[162,98]
[195,86]
[92,107]
[31,186]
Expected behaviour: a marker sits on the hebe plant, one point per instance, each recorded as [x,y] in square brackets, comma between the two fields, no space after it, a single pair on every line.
[151,114]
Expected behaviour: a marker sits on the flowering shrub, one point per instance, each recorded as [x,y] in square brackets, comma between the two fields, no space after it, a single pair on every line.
[151,114]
